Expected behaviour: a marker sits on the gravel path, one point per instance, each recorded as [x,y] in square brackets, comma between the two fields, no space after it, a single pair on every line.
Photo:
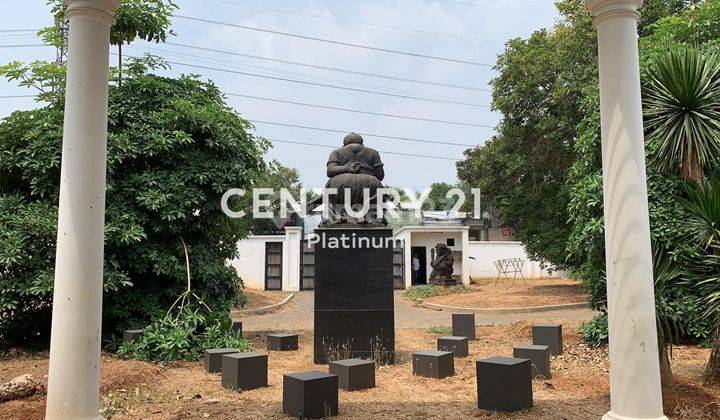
[297,315]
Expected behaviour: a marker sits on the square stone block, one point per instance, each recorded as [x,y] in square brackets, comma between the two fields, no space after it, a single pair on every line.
[236,328]
[457,345]
[548,335]
[243,371]
[433,364]
[311,395]
[132,335]
[213,359]
[539,357]
[354,374]
[282,342]
[463,325]
[504,384]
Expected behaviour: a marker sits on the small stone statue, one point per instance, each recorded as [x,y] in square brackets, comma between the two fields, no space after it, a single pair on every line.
[357,170]
[442,266]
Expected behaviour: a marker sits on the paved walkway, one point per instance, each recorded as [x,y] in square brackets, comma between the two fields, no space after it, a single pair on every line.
[297,315]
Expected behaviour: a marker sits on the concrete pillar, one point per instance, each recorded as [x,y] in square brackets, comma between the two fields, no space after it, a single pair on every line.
[465,250]
[635,391]
[291,264]
[74,379]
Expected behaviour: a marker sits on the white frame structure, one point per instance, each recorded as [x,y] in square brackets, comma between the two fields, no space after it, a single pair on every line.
[73,384]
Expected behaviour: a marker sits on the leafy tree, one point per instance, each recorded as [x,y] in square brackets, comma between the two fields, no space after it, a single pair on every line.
[682,111]
[144,19]
[174,148]
[522,171]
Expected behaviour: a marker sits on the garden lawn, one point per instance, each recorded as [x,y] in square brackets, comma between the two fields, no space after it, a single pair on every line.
[578,390]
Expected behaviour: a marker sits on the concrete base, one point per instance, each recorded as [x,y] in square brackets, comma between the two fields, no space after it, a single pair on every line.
[311,395]
[612,416]
[433,364]
[463,325]
[282,342]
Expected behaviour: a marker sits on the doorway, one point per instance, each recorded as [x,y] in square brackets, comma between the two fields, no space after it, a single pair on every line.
[421,253]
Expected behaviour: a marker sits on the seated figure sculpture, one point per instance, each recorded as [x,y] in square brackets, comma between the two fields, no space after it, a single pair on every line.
[442,266]
[355,171]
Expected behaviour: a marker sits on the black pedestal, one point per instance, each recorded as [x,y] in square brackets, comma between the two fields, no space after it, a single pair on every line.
[548,335]
[244,371]
[433,364]
[457,345]
[132,335]
[463,325]
[539,357]
[354,310]
[504,384]
[213,359]
[282,342]
[354,374]
[312,395]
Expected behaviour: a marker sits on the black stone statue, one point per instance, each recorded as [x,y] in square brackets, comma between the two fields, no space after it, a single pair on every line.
[355,170]
[442,266]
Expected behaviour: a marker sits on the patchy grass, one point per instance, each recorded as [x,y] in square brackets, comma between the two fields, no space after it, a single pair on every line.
[440,329]
[420,293]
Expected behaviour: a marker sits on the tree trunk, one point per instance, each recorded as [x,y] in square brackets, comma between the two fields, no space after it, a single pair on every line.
[666,377]
[120,64]
[712,370]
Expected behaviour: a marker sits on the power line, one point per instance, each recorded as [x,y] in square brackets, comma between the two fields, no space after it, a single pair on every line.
[16,96]
[380,151]
[359,111]
[337,69]
[499,9]
[300,76]
[358,22]
[19,30]
[364,134]
[285,79]
[330,41]
[24,45]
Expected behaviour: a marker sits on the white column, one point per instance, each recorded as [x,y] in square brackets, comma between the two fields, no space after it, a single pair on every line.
[291,265]
[635,391]
[465,250]
[73,380]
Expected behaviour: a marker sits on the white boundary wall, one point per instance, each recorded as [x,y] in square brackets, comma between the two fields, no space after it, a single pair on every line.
[484,254]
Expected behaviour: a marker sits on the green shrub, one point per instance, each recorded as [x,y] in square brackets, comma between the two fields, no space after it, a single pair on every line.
[183,336]
[440,329]
[595,332]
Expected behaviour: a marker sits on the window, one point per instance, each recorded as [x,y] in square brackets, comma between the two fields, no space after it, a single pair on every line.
[450,241]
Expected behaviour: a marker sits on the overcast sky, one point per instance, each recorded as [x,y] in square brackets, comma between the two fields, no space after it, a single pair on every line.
[478,31]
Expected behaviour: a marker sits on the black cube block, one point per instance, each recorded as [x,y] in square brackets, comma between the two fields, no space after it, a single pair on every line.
[457,345]
[132,335]
[354,374]
[433,364]
[548,335]
[213,359]
[282,342]
[236,328]
[539,357]
[504,384]
[311,395]
[243,371]
[463,325]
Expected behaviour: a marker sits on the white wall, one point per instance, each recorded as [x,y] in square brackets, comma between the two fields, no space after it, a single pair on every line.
[250,264]
[485,253]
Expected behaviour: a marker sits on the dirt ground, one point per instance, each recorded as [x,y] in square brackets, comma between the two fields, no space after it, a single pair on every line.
[578,389]
[261,298]
[536,292]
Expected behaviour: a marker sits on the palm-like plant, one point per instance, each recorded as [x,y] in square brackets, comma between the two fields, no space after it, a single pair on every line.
[703,204]
[682,111]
